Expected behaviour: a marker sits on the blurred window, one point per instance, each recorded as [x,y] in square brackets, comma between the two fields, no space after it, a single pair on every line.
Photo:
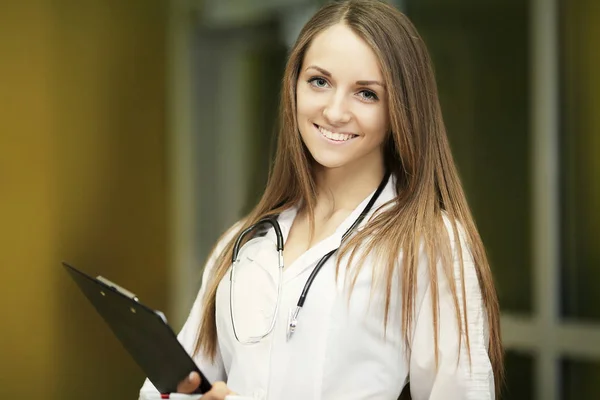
[525,134]
[519,376]
[580,158]
[481,56]
[580,379]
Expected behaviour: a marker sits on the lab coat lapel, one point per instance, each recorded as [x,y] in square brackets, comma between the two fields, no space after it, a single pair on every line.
[312,256]
[266,257]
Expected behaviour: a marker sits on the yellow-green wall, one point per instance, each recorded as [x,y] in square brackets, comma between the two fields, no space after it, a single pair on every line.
[582,86]
[581,62]
[82,178]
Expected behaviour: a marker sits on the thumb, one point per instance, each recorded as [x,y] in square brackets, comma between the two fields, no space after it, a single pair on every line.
[219,391]
[189,384]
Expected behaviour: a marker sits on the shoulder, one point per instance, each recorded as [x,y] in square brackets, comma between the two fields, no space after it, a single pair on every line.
[458,238]
[230,233]
[219,248]
[227,237]
[449,264]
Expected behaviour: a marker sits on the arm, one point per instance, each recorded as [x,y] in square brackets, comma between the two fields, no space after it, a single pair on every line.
[187,336]
[455,378]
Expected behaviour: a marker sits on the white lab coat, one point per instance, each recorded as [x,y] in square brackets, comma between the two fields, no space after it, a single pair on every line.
[339,350]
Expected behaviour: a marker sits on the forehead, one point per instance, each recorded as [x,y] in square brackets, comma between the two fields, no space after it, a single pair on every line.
[343,53]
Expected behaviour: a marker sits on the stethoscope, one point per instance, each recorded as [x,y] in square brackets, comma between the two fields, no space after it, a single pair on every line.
[293,317]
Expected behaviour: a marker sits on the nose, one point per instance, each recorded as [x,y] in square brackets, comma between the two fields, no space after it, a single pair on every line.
[336,111]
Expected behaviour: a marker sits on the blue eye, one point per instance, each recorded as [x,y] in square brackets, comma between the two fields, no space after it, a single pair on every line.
[318,82]
[368,95]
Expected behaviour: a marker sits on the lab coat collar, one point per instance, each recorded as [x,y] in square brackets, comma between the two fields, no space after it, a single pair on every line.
[311,257]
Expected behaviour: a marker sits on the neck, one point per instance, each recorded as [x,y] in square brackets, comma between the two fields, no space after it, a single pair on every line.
[345,188]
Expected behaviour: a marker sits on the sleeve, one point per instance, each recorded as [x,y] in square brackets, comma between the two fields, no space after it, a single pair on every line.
[188,334]
[455,378]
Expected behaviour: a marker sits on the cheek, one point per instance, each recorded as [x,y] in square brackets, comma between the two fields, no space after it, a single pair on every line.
[305,111]
[306,103]
[375,123]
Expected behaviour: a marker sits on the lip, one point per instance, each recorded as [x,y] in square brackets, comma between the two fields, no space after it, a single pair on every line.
[337,142]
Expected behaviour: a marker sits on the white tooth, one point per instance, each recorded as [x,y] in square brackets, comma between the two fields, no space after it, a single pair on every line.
[334,135]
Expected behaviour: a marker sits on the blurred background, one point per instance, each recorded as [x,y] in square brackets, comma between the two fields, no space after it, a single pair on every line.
[133,133]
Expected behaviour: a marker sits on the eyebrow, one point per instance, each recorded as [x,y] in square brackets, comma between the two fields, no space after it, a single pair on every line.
[361,83]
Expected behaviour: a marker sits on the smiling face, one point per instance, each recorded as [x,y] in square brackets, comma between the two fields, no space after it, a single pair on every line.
[341,101]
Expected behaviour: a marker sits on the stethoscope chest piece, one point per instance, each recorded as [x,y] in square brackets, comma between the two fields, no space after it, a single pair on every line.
[292,322]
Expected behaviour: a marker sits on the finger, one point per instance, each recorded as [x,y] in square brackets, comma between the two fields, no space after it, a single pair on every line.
[189,384]
[218,392]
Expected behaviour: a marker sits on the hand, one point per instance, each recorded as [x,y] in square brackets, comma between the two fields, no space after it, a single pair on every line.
[218,391]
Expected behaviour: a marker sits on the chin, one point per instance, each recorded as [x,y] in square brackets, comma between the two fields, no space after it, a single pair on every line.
[331,162]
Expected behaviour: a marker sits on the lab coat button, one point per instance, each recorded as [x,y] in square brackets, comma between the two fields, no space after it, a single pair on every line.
[259,394]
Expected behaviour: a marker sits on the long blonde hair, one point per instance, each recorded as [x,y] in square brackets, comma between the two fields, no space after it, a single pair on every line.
[418,155]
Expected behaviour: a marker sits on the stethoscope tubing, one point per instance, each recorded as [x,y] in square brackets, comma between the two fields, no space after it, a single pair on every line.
[272,220]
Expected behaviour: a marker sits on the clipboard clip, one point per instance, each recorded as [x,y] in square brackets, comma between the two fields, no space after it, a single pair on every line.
[118,288]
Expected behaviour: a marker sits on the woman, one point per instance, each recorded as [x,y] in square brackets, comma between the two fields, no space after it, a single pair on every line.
[408,299]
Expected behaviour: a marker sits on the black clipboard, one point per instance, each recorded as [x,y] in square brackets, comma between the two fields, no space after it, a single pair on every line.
[143,332]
